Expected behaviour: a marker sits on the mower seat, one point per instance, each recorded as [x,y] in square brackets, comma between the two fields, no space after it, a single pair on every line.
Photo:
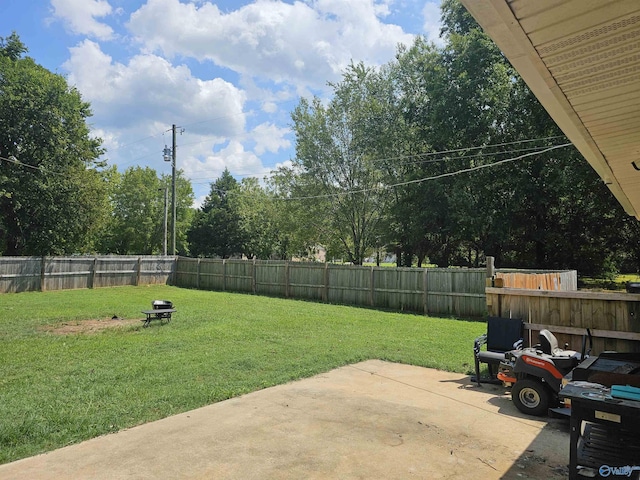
[563,359]
[548,342]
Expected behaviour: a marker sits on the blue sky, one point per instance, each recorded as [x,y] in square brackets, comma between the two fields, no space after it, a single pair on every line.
[228,72]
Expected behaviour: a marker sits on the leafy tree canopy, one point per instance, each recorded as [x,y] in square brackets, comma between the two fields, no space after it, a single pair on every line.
[53,192]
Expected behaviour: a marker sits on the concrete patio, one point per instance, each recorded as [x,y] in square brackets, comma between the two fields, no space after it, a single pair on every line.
[371,420]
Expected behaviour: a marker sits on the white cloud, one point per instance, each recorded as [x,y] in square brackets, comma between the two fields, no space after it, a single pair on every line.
[148,90]
[432,25]
[304,44]
[109,140]
[269,137]
[276,50]
[79,16]
[234,157]
[269,107]
[137,101]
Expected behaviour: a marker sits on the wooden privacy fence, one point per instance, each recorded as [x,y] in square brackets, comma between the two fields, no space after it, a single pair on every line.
[451,291]
[21,274]
[614,318]
[440,291]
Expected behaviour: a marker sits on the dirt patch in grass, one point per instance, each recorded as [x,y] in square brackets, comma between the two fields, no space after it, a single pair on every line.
[89,326]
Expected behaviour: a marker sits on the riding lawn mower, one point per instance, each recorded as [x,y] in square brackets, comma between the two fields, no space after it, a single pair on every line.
[536,373]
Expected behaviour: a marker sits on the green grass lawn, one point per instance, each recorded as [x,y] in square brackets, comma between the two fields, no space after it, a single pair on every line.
[57,389]
[619,283]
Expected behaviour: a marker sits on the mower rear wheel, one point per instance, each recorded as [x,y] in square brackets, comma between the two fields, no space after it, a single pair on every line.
[530,397]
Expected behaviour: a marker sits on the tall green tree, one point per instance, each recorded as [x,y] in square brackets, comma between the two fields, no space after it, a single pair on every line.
[53,193]
[136,226]
[184,210]
[299,228]
[136,222]
[259,221]
[418,220]
[549,210]
[216,230]
[334,174]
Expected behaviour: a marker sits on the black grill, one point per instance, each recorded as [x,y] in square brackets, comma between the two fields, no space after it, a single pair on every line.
[161,304]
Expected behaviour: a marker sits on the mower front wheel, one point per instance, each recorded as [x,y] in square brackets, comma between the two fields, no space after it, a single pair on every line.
[530,397]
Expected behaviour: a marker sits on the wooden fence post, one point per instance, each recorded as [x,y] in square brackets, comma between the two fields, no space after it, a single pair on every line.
[138,270]
[224,274]
[198,266]
[325,290]
[371,287]
[92,272]
[254,279]
[286,279]
[425,290]
[43,261]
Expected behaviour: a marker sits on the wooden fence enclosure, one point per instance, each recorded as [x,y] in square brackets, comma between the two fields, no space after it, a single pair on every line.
[456,292]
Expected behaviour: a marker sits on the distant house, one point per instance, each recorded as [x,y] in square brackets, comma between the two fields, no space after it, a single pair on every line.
[315,254]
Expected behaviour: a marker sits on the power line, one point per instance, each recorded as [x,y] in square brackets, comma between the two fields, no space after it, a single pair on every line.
[436,177]
[478,167]
[444,159]
[15,161]
[478,155]
[267,174]
[468,149]
[429,154]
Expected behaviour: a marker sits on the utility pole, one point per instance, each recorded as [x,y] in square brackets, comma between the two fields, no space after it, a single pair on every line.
[164,242]
[169,155]
[173,192]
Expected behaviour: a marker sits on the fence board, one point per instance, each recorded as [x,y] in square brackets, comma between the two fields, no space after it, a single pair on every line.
[188,273]
[238,276]
[155,270]
[306,280]
[349,286]
[65,273]
[211,274]
[270,278]
[20,274]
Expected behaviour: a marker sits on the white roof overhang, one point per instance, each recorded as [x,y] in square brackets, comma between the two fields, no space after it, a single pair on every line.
[581,58]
